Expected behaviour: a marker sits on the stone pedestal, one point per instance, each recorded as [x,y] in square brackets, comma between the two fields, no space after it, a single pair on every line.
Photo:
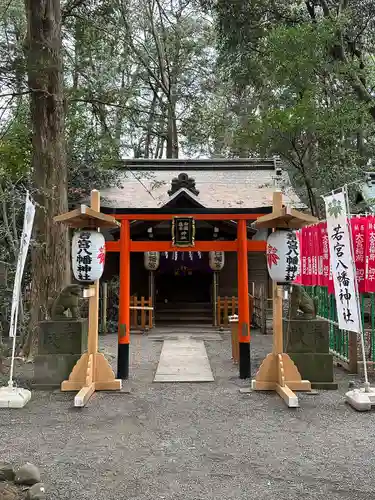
[307,343]
[60,345]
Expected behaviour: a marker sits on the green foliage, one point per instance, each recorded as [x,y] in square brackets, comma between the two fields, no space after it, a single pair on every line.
[301,74]
[15,147]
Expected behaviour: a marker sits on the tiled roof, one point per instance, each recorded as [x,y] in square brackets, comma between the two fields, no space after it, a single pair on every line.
[221,184]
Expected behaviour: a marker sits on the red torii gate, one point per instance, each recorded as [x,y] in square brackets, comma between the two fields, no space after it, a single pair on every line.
[241,246]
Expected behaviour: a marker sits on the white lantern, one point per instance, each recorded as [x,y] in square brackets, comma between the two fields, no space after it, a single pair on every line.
[283,256]
[152,260]
[216,260]
[88,255]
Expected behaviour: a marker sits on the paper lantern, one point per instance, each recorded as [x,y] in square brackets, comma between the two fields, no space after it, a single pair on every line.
[88,255]
[283,256]
[216,260]
[152,260]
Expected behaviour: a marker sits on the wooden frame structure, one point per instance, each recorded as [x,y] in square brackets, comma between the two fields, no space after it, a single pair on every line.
[141,313]
[241,246]
[225,307]
[228,306]
[277,371]
[92,371]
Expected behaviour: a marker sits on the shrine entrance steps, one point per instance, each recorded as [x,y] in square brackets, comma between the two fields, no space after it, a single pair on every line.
[183,313]
[181,332]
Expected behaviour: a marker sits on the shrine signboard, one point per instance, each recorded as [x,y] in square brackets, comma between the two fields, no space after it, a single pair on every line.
[183,232]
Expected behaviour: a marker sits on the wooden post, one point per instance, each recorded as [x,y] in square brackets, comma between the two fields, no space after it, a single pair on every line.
[152,297]
[92,371]
[277,371]
[243,301]
[251,308]
[264,308]
[218,311]
[151,313]
[134,315]
[234,337]
[277,295]
[124,303]
[143,314]
[94,299]
[104,307]
[234,305]
[214,297]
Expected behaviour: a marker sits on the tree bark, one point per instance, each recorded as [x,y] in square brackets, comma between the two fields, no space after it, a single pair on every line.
[150,125]
[172,132]
[50,251]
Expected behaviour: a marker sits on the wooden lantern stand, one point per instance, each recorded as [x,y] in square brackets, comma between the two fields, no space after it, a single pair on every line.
[277,371]
[92,371]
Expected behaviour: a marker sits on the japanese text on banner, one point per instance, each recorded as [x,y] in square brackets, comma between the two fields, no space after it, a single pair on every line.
[304,257]
[325,253]
[370,256]
[342,263]
[359,230]
[315,261]
[298,280]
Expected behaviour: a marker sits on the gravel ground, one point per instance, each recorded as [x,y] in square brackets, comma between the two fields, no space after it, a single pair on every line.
[194,441]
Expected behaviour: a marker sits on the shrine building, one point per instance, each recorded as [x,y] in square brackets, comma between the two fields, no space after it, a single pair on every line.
[183,210]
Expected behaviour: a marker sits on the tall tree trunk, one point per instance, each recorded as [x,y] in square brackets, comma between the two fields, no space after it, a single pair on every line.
[169,148]
[50,252]
[150,125]
[172,132]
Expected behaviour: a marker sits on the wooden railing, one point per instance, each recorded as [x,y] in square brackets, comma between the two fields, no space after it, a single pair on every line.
[141,313]
[228,306]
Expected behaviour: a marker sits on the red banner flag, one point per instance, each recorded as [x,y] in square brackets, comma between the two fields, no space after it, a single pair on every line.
[309,247]
[320,254]
[313,255]
[325,254]
[303,257]
[359,232]
[315,258]
[315,262]
[298,280]
[370,255]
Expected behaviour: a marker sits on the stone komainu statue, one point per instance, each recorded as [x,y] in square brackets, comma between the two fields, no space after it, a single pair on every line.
[68,299]
[301,301]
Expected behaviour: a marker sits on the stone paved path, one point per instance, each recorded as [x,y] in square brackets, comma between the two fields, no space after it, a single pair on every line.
[183,360]
[194,441]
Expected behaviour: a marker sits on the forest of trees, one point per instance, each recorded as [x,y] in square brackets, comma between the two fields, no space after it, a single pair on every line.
[84,83]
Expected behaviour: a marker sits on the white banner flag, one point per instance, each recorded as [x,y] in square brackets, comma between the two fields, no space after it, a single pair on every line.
[342,263]
[24,247]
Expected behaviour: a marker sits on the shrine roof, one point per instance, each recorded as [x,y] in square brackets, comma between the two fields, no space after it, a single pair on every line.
[215,184]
